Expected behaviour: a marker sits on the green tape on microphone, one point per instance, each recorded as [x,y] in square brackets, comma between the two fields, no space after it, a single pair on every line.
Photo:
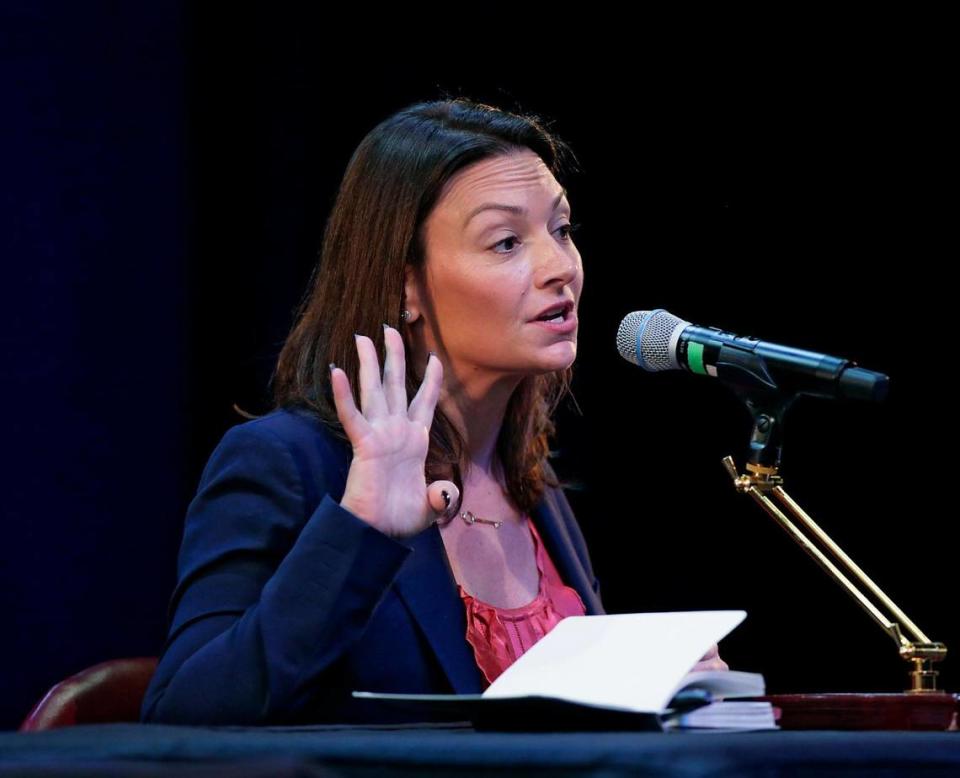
[695,358]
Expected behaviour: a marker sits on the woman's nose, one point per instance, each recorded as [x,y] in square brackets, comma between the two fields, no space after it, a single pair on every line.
[561,262]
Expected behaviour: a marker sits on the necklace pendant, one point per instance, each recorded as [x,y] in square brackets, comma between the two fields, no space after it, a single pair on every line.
[470,518]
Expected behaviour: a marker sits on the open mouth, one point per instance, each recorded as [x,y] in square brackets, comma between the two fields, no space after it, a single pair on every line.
[557,314]
[554,318]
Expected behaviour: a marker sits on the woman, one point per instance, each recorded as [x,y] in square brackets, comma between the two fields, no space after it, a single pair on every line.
[397,546]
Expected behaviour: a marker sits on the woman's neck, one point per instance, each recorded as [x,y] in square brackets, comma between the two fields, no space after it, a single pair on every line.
[477,412]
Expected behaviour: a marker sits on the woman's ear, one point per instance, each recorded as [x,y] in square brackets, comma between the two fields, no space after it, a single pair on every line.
[411,293]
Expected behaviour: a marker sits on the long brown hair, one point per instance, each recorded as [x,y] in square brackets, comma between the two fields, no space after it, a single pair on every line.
[392,182]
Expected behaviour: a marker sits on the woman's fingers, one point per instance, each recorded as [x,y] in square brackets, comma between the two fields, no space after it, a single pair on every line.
[712,665]
[712,653]
[425,400]
[394,371]
[352,420]
[372,402]
[389,395]
[711,661]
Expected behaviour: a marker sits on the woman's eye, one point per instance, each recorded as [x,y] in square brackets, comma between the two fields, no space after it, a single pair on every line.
[511,239]
[566,231]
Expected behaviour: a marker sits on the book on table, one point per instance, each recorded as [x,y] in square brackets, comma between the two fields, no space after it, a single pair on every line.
[618,671]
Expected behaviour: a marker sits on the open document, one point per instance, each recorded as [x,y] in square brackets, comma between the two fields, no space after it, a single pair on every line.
[620,671]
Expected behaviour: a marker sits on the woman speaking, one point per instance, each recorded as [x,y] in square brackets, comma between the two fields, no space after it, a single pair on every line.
[397,531]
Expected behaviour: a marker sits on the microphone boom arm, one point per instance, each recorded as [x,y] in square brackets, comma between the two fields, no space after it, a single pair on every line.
[920,652]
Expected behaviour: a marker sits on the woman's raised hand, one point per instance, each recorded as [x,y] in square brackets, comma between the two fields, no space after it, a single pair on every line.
[386,485]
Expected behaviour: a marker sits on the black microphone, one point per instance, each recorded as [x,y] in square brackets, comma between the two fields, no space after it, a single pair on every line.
[657,340]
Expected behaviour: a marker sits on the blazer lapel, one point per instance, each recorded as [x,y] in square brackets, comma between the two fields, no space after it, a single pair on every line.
[429,589]
[548,517]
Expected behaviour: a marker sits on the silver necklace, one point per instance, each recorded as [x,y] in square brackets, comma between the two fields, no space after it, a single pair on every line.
[469,517]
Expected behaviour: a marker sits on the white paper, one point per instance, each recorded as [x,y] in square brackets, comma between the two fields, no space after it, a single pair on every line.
[628,661]
[729,715]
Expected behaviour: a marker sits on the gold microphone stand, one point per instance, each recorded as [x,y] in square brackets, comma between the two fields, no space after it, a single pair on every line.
[767,378]
[922,706]
[919,652]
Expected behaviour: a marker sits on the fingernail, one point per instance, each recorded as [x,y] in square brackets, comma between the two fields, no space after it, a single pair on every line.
[332,366]
[385,325]
[432,354]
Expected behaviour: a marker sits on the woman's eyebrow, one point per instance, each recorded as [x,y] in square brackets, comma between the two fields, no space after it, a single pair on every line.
[516,209]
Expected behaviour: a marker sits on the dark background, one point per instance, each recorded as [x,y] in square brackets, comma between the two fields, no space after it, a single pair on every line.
[166,176]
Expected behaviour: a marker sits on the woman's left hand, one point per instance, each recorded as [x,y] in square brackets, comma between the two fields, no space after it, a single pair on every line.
[711,661]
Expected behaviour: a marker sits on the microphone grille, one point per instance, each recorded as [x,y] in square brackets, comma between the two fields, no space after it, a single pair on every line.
[646,339]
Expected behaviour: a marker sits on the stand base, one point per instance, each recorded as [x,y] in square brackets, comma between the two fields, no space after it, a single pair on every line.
[932,712]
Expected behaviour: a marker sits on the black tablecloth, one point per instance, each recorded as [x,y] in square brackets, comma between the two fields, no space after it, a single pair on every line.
[452,749]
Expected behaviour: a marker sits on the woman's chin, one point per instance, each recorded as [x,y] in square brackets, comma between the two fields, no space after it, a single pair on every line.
[560,356]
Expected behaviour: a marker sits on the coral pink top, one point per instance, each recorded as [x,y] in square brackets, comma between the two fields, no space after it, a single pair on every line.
[501,635]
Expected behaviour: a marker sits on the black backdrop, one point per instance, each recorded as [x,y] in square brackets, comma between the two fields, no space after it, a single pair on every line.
[166,176]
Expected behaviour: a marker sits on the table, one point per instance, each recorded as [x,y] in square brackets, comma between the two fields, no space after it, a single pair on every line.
[455,749]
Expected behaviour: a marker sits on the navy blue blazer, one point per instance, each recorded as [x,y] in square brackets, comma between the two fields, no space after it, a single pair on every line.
[286,602]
